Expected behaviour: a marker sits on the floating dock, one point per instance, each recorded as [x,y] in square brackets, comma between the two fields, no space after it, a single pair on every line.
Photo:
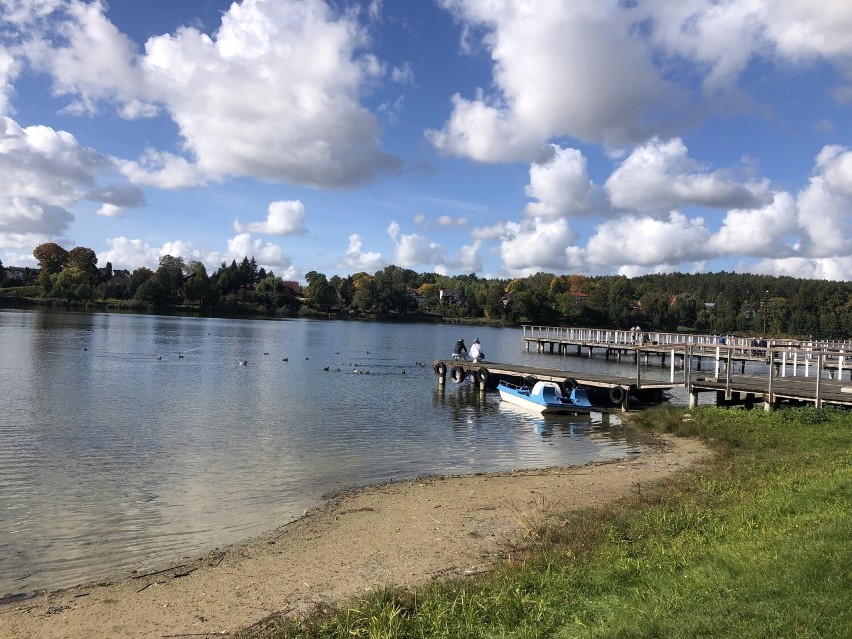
[614,391]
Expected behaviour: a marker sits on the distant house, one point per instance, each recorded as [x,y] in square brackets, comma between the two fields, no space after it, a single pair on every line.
[447,295]
[21,274]
[507,298]
[421,301]
[120,277]
[294,286]
[580,299]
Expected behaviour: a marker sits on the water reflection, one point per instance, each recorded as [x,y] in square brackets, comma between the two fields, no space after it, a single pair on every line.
[137,439]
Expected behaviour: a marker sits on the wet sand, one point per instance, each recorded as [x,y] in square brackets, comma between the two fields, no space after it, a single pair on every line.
[405,533]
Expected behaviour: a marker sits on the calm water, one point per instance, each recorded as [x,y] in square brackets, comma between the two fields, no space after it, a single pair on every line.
[128,441]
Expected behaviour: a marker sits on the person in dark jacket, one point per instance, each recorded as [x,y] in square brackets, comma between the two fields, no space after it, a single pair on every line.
[460,350]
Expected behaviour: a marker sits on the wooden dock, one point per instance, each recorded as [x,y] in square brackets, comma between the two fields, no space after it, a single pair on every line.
[614,391]
[706,349]
[748,390]
[789,371]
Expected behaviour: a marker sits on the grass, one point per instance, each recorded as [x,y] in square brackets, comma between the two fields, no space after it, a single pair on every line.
[758,543]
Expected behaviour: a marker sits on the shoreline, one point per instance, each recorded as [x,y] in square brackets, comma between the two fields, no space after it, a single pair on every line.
[404,533]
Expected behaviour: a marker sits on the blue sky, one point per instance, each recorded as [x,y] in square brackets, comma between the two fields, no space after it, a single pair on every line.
[496,137]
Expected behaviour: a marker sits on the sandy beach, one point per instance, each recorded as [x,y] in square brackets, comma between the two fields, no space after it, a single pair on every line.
[405,533]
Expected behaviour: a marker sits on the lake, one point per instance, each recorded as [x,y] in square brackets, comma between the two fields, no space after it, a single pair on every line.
[129,441]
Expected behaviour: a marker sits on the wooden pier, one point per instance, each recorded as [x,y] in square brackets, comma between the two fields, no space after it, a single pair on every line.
[788,371]
[706,349]
[748,390]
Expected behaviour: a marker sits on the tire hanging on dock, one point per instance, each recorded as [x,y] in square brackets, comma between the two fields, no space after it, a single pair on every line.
[482,376]
[440,369]
[457,374]
[569,384]
[530,381]
[616,394]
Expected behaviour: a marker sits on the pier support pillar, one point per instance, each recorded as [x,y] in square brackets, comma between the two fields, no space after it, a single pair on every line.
[693,399]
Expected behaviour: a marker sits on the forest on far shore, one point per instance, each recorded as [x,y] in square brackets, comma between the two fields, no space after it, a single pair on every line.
[724,303]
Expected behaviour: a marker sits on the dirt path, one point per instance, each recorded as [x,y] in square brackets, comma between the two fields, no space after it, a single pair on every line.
[404,533]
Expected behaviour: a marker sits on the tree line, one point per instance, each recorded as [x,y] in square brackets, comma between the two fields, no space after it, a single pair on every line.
[723,303]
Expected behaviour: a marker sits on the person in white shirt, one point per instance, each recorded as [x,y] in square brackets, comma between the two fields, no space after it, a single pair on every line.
[476,353]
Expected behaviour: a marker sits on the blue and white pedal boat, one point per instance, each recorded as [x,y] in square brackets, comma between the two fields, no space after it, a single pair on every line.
[545,397]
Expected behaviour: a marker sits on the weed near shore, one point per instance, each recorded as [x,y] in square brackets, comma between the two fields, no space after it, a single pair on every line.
[754,544]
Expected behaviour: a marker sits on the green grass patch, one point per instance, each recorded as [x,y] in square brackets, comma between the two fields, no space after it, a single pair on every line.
[756,543]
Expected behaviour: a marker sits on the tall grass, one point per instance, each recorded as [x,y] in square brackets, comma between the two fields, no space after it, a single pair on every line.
[758,543]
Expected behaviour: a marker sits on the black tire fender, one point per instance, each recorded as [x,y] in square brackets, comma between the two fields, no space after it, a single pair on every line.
[617,394]
[440,369]
[569,384]
[457,374]
[482,375]
[530,381]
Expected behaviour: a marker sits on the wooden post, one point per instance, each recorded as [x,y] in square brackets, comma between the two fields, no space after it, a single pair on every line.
[770,400]
[728,374]
[638,371]
[716,368]
[818,398]
[672,367]
[687,376]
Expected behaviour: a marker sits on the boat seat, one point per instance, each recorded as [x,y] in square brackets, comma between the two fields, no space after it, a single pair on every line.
[548,392]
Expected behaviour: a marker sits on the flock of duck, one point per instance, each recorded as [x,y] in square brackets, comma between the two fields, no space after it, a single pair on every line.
[353,367]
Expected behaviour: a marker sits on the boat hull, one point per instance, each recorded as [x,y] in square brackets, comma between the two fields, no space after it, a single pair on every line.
[536,402]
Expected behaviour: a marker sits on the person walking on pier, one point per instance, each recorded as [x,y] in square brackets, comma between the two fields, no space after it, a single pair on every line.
[476,353]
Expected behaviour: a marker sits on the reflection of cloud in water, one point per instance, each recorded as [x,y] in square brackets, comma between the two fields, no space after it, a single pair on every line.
[551,425]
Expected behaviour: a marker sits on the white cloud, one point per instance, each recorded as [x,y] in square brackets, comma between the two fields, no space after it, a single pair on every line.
[162,170]
[111,210]
[616,72]
[659,176]
[403,74]
[828,268]
[132,254]
[804,30]
[95,61]
[645,241]
[467,260]
[536,245]
[562,186]
[758,232]
[267,254]
[274,93]
[493,232]
[43,174]
[393,230]
[285,217]
[825,206]
[835,163]
[577,69]
[356,260]
[415,250]
[9,69]
[451,222]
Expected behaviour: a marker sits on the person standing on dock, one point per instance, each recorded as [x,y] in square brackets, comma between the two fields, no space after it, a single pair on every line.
[476,353]
[460,350]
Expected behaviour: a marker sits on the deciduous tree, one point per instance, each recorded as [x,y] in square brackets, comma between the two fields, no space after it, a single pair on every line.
[51,257]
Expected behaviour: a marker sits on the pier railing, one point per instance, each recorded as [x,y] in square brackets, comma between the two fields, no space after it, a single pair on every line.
[631,337]
[775,359]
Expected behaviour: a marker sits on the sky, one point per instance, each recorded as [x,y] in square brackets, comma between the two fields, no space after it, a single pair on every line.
[495,137]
